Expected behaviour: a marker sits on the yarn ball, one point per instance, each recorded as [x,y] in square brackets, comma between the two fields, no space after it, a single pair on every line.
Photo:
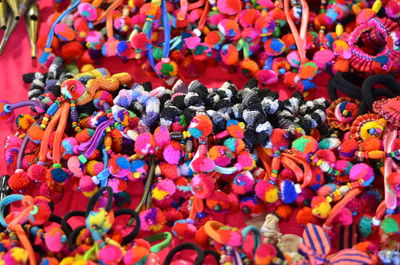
[242,183]
[391,224]
[274,47]
[172,153]
[392,9]
[200,126]
[202,186]
[59,174]
[326,155]
[304,145]
[346,111]
[167,69]
[144,144]
[235,145]
[229,28]
[140,42]
[214,38]
[72,51]
[138,170]
[288,193]
[163,189]
[371,144]
[119,166]
[265,26]
[327,189]
[138,253]
[320,207]
[123,23]
[169,171]
[161,136]
[184,229]
[308,70]
[248,17]
[229,7]
[87,186]
[221,155]
[283,211]
[235,128]
[280,139]
[19,180]
[348,148]
[266,191]
[152,220]
[304,216]
[218,202]
[64,32]
[265,254]
[203,164]
[245,161]
[344,217]
[394,183]
[229,54]
[37,173]
[362,172]
[110,255]
[323,58]
[87,11]
[267,76]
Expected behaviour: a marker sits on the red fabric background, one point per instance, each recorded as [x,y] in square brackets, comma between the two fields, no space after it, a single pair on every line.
[16,61]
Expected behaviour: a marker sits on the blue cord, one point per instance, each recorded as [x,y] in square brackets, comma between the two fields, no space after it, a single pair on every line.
[6,201]
[43,58]
[150,51]
[103,175]
[167,29]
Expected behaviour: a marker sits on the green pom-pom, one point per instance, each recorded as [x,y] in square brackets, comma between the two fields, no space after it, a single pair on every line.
[200,49]
[365,226]
[389,225]
[300,144]
[72,68]
[166,69]
[157,53]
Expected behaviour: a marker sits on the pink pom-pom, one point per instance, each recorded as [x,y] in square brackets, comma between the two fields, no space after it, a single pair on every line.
[392,9]
[145,144]
[265,26]
[344,217]
[203,164]
[362,172]
[87,186]
[119,166]
[248,17]
[326,155]
[242,183]
[54,239]
[109,48]
[267,77]
[163,189]
[265,253]
[37,173]
[229,28]
[327,189]
[229,7]
[246,160]
[202,186]
[110,255]
[192,42]
[172,153]
[88,11]
[266,191]
[293,59]
[221,155]
[323,57]
[75,166]
[162,136]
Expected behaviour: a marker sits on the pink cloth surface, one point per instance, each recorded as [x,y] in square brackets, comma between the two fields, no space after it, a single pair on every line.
[16,61]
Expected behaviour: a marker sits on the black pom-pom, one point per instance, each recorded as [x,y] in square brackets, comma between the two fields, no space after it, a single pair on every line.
[122,198]
[252,83]
[189,114]
[147,86]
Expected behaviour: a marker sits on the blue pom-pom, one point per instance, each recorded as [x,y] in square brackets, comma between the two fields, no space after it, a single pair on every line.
[288,192]
[365,226]
[123,163]
[59,174]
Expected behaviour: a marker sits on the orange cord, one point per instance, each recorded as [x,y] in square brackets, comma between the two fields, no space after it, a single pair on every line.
[44,146]
[108,12]
[59,133]
[349,196]
[204,16]
[265,161]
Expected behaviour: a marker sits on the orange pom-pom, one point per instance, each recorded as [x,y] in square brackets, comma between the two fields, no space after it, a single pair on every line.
[249,66]
[72,51]
[284,211]
[341,65]
[305,216]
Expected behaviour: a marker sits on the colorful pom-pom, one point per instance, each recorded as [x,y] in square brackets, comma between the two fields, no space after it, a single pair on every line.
[202,186]
[266,191]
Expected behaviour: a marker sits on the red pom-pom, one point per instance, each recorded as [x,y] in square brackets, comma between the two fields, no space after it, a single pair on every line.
[19,180]
[218,202]
[140,41]
[305,216]
[265,253]
[169,171]
[201,126]
[72,51]
[37,173]
[202,185]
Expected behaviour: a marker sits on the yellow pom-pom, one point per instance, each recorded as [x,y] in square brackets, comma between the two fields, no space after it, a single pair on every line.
[271,196]
[322,210]
[20,255]
[67,261]
[339,29]
[87,68]
[158,194]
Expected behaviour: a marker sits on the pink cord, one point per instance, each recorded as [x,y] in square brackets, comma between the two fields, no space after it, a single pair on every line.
[300,39]
[388,139]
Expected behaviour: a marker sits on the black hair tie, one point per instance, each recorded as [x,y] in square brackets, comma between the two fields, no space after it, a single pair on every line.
[72,237]
[386,80]
[96,196]
[377,93]
[343,82]
[64,222]
[213,253]
[200,253]
[128,238]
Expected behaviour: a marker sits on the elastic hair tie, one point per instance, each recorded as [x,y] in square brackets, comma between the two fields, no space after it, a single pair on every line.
[188,245]
[128,238]
[64,221]
[256,235]
[166,238]
[6,109]
[96,197]
[376,93]
[47,49]
[344,82]
[146,197]
[72,237]
[385,80]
